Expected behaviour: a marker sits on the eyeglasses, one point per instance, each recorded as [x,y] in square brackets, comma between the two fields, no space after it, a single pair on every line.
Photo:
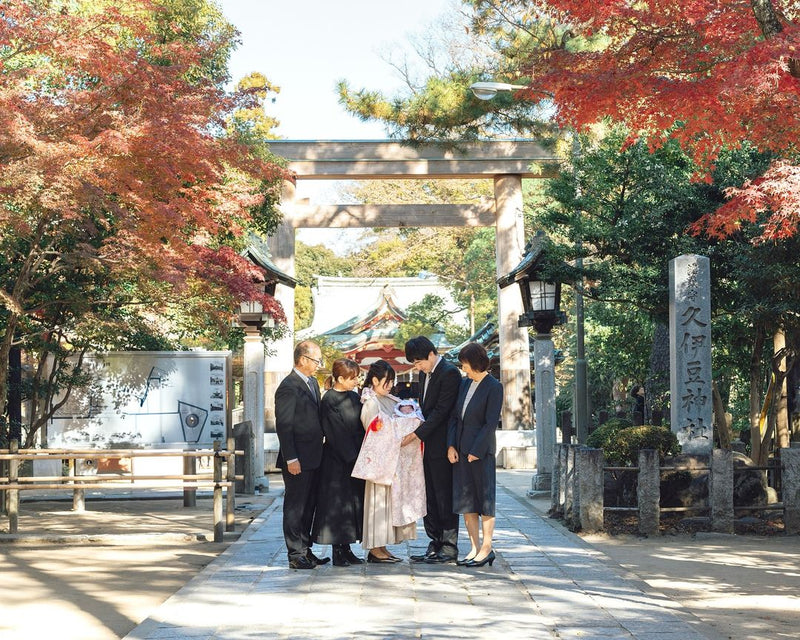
[318,362]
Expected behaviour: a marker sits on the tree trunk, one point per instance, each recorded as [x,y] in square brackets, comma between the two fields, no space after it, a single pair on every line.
[619,395]
[43,397]
[766,17]
[657,384]
[781,401]
[755,393]
[770,25]
[5,349]
[766,441]
[721,425]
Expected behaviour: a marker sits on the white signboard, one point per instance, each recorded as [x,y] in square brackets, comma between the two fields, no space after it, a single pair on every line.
[146,398]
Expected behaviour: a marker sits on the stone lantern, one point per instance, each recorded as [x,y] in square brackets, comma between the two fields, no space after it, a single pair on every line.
[541,300]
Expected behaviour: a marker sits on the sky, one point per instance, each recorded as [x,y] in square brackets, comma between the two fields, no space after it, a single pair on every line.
[305,47]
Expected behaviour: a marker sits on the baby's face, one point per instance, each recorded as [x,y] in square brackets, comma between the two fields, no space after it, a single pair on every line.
[406,408]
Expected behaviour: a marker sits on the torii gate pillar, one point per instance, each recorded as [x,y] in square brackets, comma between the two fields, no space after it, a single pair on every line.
[280,360]
[515,371]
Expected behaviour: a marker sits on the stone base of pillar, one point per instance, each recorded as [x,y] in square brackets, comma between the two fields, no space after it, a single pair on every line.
[540,485]
[262,483]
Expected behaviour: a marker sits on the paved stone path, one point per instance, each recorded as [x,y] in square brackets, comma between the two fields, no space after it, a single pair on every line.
[546,583]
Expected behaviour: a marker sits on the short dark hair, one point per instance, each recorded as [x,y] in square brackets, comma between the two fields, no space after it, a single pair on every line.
[418,348]
[379,370]
[475,356]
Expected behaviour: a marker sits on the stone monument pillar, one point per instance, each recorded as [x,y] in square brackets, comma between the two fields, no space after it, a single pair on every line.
[690,353]
[515,372]
[254,401]
[545,410]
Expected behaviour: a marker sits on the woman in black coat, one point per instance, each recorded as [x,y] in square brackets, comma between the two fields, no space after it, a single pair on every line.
[471,449]
[340,501]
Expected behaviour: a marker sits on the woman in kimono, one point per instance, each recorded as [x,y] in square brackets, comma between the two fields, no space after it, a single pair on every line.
[379,530]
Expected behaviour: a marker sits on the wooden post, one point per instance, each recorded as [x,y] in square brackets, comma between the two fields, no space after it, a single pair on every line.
[218,533]
[13,494]
[189,469]
[230,490]
[78,497]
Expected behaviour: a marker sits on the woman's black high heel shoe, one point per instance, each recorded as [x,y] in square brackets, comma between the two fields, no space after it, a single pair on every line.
[480,563]
[464,561]
[352,558]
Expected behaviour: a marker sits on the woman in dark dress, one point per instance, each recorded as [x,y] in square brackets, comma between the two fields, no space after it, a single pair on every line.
[340,502]
[471,449]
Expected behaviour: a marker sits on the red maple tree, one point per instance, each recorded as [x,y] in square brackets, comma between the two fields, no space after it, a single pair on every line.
[97,113]
[110,129]
[711,73]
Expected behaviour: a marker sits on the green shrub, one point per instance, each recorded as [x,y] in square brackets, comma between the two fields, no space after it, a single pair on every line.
[602,437]
[623,446]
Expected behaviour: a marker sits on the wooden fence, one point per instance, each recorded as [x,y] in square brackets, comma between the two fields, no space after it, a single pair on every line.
[222,475]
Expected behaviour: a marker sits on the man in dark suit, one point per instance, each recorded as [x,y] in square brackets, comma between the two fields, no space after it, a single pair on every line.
[439,382]
[297,422]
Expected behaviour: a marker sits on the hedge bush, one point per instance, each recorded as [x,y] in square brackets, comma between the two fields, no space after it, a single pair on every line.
[621,446]
[602,437]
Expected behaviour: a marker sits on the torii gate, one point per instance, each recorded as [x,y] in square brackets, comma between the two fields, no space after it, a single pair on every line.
[505,162]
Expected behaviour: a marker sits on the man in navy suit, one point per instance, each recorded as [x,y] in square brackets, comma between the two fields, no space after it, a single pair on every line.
[439,382]
[297,423]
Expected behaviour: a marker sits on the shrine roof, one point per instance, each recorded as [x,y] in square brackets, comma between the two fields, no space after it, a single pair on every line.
[258,252]
[343,305]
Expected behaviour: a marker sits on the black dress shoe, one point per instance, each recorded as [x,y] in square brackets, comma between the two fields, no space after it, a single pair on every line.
[480,563]
[352,558]
[464,561]
[430,553]
[301,563]
[315,560]
[377,560]
[440,558]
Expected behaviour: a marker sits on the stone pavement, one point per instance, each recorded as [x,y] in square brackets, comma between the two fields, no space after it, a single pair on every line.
[545,583]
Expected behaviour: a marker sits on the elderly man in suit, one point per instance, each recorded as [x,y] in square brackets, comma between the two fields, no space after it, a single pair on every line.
[297,422]
[439,382]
